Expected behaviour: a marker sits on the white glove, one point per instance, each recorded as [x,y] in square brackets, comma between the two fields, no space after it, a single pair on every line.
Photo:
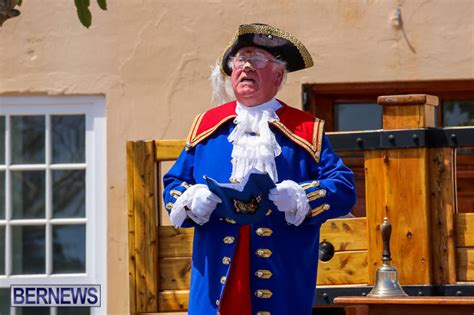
[197,203]
[290,198]
[204,202]
[283,196]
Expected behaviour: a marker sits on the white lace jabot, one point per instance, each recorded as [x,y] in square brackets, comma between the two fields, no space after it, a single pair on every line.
[254,144]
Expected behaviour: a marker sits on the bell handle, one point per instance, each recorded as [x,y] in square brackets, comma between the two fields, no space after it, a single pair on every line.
[386,233]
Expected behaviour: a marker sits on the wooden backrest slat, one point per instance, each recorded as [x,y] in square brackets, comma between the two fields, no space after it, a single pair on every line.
[168,150]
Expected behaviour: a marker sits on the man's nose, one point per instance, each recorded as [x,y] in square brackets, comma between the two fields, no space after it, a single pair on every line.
[247,64]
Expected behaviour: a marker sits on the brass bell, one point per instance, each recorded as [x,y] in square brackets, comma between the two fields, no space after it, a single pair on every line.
[386,277]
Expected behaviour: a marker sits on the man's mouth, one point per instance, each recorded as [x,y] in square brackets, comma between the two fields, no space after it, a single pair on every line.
[247,80]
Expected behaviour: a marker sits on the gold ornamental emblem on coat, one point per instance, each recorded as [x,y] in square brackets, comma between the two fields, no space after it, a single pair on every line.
[247,207]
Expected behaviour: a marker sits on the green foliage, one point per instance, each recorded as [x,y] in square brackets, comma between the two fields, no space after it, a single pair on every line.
[83,11]
[82,6]
[102,4]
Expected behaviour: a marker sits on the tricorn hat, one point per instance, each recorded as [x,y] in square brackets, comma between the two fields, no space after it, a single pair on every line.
[280,44]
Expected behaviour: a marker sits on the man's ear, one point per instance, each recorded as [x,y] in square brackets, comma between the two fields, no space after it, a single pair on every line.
[279,76]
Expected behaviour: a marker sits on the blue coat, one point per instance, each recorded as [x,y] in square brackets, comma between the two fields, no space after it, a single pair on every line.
[284,258]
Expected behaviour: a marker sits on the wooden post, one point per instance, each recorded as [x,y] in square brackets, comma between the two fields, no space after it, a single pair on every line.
[142,226]
[398,186]
[443,206]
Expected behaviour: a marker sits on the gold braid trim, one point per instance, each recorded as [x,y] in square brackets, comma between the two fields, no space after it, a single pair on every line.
[306,186]
[318,135]
[313,148]
[270,30]
[193,139]
[175,193]
[312,196]
[185,185]
[193,131]
[324,207]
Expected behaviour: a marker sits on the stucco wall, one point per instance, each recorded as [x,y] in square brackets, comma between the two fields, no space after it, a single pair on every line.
[151,60]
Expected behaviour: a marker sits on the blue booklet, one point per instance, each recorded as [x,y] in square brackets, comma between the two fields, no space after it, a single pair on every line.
[246,202]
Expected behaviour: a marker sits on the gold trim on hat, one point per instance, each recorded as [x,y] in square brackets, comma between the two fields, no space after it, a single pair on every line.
[269,30]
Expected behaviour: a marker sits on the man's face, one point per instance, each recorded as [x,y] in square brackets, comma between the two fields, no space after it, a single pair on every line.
[254,86]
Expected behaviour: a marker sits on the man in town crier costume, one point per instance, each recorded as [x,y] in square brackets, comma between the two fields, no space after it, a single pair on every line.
[269,267]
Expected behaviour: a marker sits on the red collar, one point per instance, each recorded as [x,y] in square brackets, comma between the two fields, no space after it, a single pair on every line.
[302,128]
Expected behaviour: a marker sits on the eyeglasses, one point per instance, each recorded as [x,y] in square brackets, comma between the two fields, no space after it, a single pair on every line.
[257,61]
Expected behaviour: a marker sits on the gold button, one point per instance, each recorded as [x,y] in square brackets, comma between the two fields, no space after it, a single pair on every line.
[263,232]
[229,220]
[263,252]
[263,294]
[229,240]
[263,274]
[226,260]
[169,206]
[223,279]
[263,313]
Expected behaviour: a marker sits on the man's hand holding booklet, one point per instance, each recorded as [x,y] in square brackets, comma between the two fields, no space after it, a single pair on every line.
[245,202]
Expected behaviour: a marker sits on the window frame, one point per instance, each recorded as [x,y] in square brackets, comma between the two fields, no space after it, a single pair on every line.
[93,107]
[319,98]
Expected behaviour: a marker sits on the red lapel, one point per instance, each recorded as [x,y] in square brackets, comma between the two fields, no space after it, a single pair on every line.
[302,128]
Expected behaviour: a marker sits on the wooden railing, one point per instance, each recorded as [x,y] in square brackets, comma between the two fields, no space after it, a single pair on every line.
[415,188]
